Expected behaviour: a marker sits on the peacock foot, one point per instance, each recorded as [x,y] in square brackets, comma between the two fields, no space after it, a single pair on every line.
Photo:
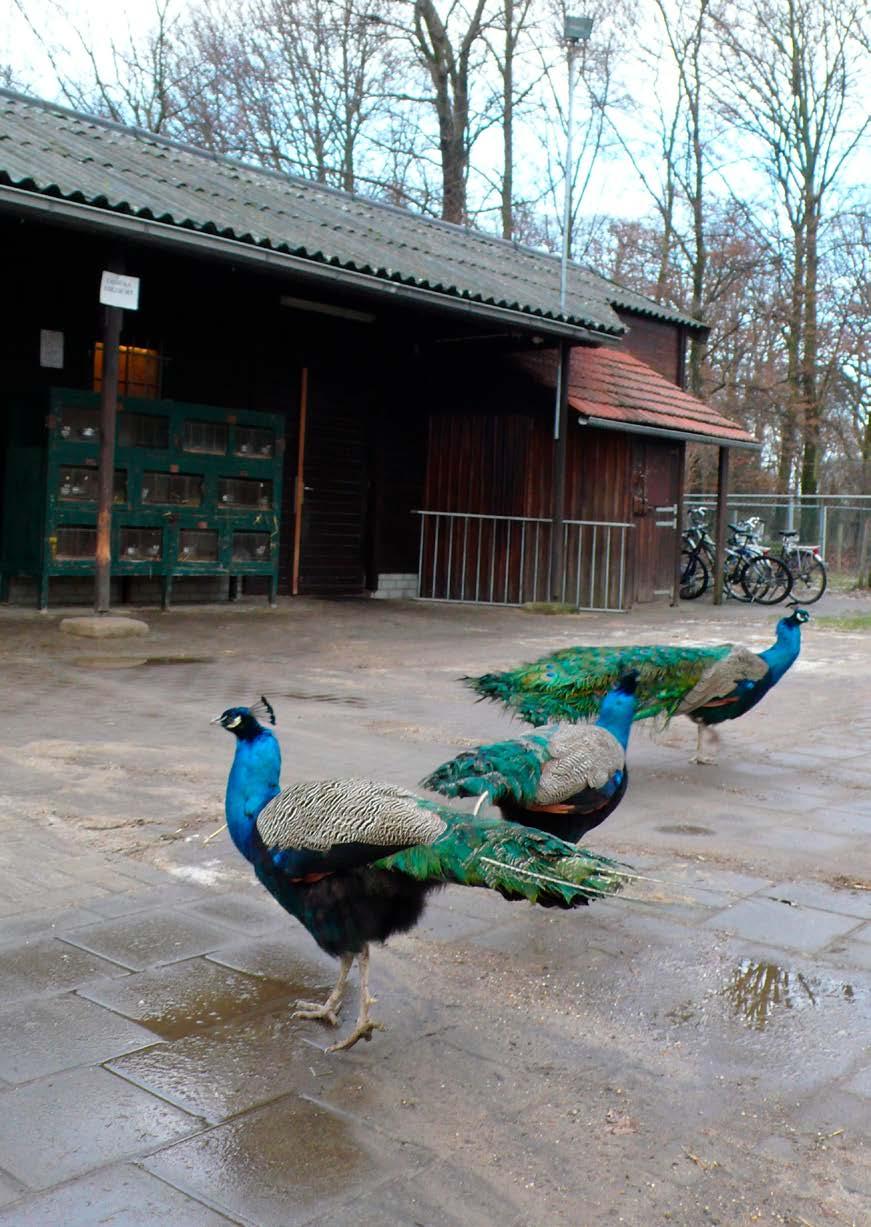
[362,1031]
[704,760]
[327,1013]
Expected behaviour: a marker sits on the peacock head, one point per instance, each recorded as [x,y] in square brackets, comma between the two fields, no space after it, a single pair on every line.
[796,618]
[242,722]
[628,683]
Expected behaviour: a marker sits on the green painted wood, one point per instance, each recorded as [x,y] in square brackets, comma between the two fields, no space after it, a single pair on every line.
[197,489]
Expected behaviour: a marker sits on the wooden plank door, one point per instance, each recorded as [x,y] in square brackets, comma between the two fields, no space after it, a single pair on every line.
[656,475]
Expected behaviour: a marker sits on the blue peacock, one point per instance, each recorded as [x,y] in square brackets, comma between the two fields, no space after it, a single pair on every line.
[564,779]
[709,685]
[354,860]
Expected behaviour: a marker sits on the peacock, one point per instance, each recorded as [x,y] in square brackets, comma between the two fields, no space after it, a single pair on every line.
[354,860]
[709,685]
[565,779]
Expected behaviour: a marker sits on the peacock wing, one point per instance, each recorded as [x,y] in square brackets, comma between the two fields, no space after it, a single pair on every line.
[581,756]
[722,676]
[320,816]
[501,769]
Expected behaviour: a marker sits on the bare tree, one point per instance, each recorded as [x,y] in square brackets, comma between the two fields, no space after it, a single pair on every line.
[143,81]
[789,76]
[449,59]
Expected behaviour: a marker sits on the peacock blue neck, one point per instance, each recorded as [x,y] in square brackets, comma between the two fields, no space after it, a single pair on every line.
[785,649]
[254,780]
[616,714]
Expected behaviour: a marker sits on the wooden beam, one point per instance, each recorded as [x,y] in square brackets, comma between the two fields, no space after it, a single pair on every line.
[106,479]
[678,519]
[299,488]
[560,451]
[722,521]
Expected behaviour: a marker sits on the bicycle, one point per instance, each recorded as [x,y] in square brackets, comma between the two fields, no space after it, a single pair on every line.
[809,573]
[749,572]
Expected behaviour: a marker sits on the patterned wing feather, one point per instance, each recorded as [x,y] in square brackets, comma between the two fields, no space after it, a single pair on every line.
[721,678]
[320,814]
[570,684]
[516,861]
[582,757]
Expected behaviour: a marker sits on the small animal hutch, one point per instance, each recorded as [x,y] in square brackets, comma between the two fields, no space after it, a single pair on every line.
[197,491]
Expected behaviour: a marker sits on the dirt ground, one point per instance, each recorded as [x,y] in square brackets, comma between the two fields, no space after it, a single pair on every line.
[694,1053]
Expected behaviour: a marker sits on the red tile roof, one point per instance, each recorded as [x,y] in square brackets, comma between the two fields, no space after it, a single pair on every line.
[610,385]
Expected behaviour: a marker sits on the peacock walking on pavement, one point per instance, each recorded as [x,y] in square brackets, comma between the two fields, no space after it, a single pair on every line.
[565,779]
[709,685]
[354,860]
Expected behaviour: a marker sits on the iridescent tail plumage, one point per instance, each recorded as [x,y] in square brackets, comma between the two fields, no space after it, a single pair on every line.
[516,861]
[570,684]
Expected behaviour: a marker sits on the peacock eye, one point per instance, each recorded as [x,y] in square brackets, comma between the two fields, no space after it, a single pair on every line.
[231,724]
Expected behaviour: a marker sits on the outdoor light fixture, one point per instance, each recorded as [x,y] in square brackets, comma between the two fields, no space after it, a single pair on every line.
[578,29]
[325,308]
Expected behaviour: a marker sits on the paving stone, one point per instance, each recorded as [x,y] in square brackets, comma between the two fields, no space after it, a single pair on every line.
[248,914]
[105,626]
[10,1191]
[861,1083]
[123,1196]
[798,928]
[285,1164]
[293,957]
[42,923]
[146,899]
[55,1033]
[184,998]
[149,938]
[48,965]
[826,898]
[235,1066]
[64,1125]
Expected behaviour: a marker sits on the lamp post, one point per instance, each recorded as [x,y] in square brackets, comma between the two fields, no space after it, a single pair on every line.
[576,30]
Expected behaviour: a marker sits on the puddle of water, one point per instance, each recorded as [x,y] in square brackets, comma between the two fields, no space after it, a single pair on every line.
[137,662]
[758,992]
[196,1013]
[349,700]
[685,828]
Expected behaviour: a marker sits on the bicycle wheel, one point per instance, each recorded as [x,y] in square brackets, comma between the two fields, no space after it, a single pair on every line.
[767,581]
[694,576]
[809,579]
[732,577]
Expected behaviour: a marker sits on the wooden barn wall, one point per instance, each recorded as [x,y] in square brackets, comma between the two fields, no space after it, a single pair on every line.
[225,340]
[659,344]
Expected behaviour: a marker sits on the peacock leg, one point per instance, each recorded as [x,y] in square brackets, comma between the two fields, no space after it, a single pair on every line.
[365,1025]
[329,1011]
[699,757]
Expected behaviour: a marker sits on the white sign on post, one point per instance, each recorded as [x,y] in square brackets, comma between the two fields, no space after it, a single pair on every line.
[117,290]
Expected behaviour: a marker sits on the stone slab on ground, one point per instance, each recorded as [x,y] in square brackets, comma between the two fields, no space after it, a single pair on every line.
[104,626]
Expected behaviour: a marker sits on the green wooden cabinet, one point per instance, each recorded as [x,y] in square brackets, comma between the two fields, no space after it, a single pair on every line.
[197,491]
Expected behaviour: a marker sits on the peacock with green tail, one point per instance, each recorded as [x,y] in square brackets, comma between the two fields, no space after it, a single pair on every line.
[709,685]
[355,860]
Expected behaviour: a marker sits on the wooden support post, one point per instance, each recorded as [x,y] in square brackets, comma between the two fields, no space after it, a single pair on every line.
[106,480]
[678,519]
[560,452]
[722,521]
[299,489]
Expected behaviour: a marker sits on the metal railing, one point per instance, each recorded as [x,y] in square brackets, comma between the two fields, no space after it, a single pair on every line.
[505,560]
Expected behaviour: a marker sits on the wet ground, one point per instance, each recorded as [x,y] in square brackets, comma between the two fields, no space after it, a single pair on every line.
[697,1053]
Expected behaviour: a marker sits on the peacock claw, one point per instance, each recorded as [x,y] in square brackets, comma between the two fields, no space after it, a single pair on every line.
[363,1031]
[321,1013]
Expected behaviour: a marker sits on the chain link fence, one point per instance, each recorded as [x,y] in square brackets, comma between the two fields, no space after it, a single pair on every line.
[840,524]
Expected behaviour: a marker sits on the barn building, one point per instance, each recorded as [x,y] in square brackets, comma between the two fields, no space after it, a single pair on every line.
[320,394]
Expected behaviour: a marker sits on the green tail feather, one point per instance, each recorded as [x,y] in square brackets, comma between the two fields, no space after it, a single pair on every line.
[570,684]
[516,861]
[503,769]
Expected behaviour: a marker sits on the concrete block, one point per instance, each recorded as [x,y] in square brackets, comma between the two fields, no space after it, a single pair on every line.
[104,626]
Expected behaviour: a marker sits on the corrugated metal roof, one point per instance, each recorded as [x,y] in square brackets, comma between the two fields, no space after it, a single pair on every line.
[56,152]
[611,385]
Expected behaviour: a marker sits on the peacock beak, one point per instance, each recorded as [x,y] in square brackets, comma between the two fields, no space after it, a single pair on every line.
[217,719]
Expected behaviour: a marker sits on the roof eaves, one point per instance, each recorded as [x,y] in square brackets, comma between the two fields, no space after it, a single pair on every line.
[568,327]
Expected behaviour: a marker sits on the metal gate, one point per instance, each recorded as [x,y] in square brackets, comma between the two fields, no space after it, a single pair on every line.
[505,560]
